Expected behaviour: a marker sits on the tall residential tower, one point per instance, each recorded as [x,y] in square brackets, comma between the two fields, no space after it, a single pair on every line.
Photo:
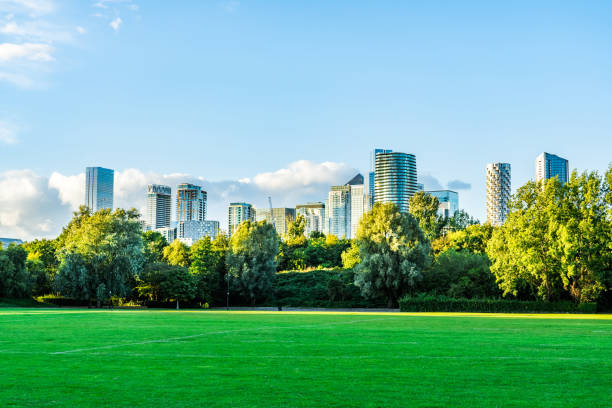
[159,203]
[550,165]
[498,192]
[190,206]
[237,213]
[99,184]
[395,179]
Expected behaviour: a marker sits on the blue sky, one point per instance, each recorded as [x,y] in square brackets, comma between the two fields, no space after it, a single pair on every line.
[222,91]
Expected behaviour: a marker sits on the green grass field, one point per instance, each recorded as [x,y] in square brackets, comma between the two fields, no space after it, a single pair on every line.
[74,358]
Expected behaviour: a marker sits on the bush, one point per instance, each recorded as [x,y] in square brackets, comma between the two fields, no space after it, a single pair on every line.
[447,304]
[62,301]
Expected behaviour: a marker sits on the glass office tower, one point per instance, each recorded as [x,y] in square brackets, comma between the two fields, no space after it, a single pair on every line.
[99,185]
[550,165]
[395,179]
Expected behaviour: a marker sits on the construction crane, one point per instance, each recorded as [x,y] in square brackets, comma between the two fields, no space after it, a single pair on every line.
[271,212]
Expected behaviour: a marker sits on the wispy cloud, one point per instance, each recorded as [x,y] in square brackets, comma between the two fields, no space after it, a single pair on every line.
[28,51]
[459,185]
[8,133]
[31,7]
[116,23]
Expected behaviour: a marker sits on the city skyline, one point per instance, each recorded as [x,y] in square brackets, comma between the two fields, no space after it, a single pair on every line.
[250,105]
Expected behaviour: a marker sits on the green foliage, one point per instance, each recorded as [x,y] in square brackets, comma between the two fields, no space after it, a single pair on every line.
[295,232]
[177,254]
[473,238]
[460,221]
[424,208]
[394,252]
[251,259]
[350,257]
[447,304]
[555,243]
[153,244]
[42,253]
[177,284]
[100,248]
[14,279]
[460,274]
[208,267]
[39,278]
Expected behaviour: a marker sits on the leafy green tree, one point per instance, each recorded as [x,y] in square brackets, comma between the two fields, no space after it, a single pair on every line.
[424,207]
[109,245]
[394,252]
[14,279]
[177,254]
[460,274]
[178,284]
[460,221]
[208,266]
[473,238]
[41,283]
[251,259]
[295,232]
[350,257]
[153,244]
[42,254]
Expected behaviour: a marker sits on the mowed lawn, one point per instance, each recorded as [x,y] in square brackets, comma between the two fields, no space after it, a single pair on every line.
[75,358]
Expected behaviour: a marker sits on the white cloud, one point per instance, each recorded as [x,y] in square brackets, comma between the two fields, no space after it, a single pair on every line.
[8,132]
[81,30]
[28,51]
[31,7]
[20,80]
[116,23]
[35,30]
[33,206]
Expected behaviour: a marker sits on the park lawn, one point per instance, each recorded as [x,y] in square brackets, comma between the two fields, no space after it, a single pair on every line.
[120,358]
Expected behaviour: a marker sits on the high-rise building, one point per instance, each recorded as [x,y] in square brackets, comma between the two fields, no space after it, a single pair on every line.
[159,203]
[395,179]
[237,213]
[372,174]
[345,206]
[193,230]
[280,217]
[498,192]
[550,165]
[99,184]
[190,203]
[314,215]
[168,232]
[449,202]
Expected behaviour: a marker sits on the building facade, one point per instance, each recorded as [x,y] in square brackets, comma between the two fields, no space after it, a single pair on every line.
[314,215]
[190,203]
[550,165]
[99,186]
[498,192]
[395,179]
[237,213]
[449,202]
[159,206]
[168,232]
[372,174]
[279,217]
[195,230]
[338,211]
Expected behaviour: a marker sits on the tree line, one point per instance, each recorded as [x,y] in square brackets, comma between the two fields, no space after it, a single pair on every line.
[556,245]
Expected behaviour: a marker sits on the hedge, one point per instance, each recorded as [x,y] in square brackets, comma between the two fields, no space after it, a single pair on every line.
[446,304]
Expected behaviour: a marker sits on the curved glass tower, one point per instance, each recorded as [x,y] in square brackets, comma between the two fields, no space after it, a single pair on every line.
[498,192]
[395,179]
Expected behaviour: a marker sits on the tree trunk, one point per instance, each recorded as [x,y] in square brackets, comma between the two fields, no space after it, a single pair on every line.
[177,304]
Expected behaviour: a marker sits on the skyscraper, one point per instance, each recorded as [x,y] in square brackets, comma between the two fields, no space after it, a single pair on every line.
[345,206]
[314,215]
[449,202]
[159,203]
[395,179]
[279,217]
[372,174]
[550,165]
[194,230]
[190,203]
[99,184]
[237,213]
[498,192]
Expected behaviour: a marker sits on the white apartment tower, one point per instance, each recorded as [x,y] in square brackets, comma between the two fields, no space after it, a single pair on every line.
[498,192]
[159,206]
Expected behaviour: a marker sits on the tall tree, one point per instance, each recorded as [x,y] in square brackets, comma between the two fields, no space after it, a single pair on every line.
[251,259]
[424,207]
[177,254]
[14,279]
[153,244]
[208,266]
[178,284]
[393,250]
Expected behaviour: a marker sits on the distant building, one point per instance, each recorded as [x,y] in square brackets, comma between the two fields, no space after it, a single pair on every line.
[550,165]
[314,215]
[498,192]
[237,213]
[280,217]
[420,187]
[196,230]
[345,206]
[168,232]
[159,205]
[372,174]
[99,185]
[395,179]
[190,205]
[5,242]
[449,202]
